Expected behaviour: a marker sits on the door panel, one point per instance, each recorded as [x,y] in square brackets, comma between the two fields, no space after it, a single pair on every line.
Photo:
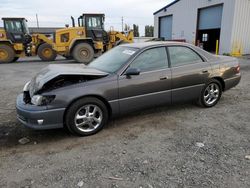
[210,18]
[151,87]
[188,81]
[189,73]
[145,90]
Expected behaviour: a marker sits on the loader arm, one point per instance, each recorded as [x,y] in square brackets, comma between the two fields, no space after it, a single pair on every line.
[117,38]
[36,38]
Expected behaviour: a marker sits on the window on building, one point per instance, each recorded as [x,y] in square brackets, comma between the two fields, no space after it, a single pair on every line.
[180,55]
[204,37]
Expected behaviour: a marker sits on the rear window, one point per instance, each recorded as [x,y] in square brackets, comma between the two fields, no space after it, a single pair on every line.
[181,55]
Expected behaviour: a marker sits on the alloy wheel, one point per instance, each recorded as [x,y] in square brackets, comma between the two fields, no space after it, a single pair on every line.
[211,94]
[88,118]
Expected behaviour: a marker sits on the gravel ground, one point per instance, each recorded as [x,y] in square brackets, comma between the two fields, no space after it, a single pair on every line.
[176,146]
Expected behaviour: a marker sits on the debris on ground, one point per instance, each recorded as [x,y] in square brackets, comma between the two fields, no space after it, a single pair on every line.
[114,178]
[24,141]
[145,162]
[200,144]
[247,157]
[80,184]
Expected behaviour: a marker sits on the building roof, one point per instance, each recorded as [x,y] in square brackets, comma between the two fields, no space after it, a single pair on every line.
[170,4]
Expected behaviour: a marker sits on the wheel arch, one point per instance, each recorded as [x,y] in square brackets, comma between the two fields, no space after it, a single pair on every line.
[221,82]
[93,96]
[77,41]
[6,42]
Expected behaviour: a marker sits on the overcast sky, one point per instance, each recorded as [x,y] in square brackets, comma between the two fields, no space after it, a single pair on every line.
[56,13]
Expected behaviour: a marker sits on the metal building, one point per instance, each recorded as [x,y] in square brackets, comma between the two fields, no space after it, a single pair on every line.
[202,22]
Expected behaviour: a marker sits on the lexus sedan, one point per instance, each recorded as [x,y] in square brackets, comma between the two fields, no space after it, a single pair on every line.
[130,77]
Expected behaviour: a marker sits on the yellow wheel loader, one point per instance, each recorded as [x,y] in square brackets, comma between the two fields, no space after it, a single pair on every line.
[81,43]
[89,39]
[15,42]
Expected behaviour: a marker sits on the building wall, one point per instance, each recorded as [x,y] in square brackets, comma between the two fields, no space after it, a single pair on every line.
[241,27]
[185,14]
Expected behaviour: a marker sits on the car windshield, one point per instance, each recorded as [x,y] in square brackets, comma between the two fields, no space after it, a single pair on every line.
[114,59]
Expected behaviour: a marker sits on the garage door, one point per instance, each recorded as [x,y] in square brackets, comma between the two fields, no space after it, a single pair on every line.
[210,18]
[166,27]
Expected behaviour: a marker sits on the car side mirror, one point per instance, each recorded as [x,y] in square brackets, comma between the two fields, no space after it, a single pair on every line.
[132,72]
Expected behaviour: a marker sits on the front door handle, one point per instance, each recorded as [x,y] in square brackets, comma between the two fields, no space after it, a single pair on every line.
[204,71]
[163,78]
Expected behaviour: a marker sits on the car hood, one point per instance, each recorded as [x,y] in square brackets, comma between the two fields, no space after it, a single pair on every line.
[52,71]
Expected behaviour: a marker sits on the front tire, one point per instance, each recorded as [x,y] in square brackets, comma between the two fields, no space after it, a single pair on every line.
[83,53]
[86,116]
[46,53]
[210,94]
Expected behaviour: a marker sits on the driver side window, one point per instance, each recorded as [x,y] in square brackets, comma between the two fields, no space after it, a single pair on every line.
[152,59]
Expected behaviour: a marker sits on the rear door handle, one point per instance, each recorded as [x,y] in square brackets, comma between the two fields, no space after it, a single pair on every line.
[204,71]
[163,78]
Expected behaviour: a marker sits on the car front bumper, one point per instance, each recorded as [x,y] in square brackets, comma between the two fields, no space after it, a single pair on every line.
[38,117]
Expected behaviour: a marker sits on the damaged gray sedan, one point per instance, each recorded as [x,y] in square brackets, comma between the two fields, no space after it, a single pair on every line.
[128,78]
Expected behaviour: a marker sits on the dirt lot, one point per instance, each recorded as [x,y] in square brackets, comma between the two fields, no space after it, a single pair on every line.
[153,148]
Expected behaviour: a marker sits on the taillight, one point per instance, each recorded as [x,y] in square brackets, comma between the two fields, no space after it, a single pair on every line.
[238,69]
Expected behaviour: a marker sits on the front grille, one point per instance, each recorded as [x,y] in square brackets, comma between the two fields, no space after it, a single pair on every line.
[21,118]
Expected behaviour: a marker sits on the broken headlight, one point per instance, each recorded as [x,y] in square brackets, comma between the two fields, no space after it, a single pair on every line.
[26,86]
[40,100]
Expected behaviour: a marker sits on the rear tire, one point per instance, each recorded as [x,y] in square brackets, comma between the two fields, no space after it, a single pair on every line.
[7,54]
[211,94]
[46,53]
[83,53]
[86,116]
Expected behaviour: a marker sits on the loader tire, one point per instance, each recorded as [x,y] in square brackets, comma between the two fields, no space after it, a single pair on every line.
[7,54]
[46,53]
[83,53]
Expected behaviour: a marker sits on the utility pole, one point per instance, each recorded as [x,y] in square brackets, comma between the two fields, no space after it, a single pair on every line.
[122,24]
[37,22]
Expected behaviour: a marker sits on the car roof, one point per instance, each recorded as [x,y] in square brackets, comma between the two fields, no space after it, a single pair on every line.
[154,43]
[143,45]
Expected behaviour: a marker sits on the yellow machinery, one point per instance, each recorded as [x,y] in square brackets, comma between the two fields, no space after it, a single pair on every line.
[15,42]
[81,43]
[89,39]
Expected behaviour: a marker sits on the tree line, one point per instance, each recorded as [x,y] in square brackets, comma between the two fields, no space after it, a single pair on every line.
[149,30]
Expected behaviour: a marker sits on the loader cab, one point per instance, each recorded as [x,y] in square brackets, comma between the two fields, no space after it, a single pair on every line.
[94,26]
[16,29]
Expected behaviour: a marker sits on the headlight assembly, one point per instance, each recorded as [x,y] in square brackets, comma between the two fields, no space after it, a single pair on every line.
[40,100]
[26,86]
